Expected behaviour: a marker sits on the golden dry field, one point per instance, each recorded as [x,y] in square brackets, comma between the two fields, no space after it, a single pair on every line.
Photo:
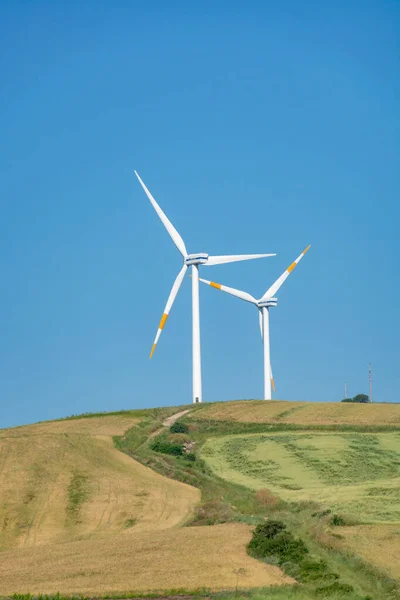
[79,516]
[377,544]
[302,413]
[65,480]
[191,558]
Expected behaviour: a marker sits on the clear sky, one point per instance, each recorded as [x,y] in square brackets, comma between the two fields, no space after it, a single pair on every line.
[259,127]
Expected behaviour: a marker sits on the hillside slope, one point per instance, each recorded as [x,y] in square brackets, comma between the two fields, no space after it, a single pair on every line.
[310,414]
[79,516]
[64,480]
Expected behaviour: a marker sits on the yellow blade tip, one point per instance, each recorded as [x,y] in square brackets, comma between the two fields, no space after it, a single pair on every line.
[152,350]
[307,249]
[163,321]
[273,384]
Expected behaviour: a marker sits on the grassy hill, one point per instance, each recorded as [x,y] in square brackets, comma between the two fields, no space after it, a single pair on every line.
[98,505]
[307,414]
[79,516]
[354,473]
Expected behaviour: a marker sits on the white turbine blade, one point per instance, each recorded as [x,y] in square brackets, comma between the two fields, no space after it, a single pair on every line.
[176,238]
[220,260]
[270,293]
[168,306]
[260,321]
[231,291]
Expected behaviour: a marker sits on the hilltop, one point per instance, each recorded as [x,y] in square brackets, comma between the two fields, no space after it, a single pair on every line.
[113,503]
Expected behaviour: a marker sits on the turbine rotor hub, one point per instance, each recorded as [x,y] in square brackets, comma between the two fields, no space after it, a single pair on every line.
[200,258]
[267,303]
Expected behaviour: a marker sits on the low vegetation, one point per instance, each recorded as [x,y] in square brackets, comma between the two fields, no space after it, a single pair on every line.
[360,398]
[269,480]
[323,566]
[315,414]
[353,473]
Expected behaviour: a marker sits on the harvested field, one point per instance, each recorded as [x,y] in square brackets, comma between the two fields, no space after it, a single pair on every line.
[65,480]
[303,413]
[354,473]
[190,558]
[377,544]
[112,425]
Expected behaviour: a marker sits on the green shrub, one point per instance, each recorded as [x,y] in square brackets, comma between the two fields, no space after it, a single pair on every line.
[312,570]
[179,428]
[178,438]
[190,457]
[270,540]
[362,398]
[337,520]
[166,447]
[269,529]
[334,589]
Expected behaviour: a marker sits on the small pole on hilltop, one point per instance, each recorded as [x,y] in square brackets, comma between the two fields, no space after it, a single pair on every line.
[345,390]
[370,381]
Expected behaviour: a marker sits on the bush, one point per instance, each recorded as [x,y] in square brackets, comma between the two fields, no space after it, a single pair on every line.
[266,498]
[312,570]
[362,398]
[334,589]
[191,457]
[166,447]
[271,540]
[337,520]
[178,438]
[179,428]
[212,512]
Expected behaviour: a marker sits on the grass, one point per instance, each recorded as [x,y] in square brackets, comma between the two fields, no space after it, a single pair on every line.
[349,472]
[78,491]
[192,557]
[303,413]
[224,500]
[269,593]
[125,533]
[67,480]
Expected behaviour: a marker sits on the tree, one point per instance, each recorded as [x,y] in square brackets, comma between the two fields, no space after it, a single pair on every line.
[361,398]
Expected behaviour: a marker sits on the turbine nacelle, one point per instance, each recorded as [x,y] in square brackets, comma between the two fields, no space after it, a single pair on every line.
[267,303]
[201,258]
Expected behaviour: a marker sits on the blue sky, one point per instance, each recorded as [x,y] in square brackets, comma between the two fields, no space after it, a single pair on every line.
[258,127]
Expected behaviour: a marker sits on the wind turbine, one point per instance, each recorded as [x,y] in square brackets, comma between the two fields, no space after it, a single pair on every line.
[263,306]
[193,260]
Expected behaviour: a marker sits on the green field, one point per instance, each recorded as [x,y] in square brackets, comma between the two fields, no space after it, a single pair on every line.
[357,474]
[95,505]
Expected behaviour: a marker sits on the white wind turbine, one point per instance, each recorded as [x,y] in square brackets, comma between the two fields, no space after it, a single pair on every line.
[263,305]
[193,260]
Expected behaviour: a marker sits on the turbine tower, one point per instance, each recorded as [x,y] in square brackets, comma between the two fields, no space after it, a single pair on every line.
[193,260]
[263,305]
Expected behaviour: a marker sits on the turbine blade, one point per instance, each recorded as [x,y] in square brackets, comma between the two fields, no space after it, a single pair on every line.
[231,291]
[270,293]
[272,378]
[171,299]
[220,260]
[176,238]
[260,321]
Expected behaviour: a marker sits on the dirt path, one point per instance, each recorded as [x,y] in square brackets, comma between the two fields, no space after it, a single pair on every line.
[168,422]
